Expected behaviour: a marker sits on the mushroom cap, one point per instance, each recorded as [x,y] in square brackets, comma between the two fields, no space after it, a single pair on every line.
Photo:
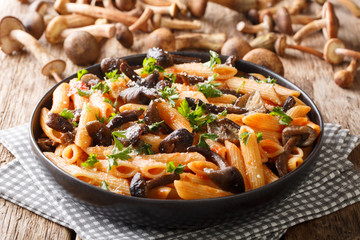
[39,6]
[253,16]
[34,24]
[125,5]
[7,24]
[332,22]
[264,41]
[60,6]
[123,35]
[82,48]
[197,7]
[280,45]
[265,58]
[307,134]
[283,21]
[343,78]
[55,66]
[329,51]
[236,46]
[269,22]
[162,38]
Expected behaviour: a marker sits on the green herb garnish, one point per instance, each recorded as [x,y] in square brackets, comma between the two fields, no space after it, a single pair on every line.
[170,77]
[223,113]
[75,124]
[104,185]
[114,105]
[102,120]
[241,85]
[284,119]
[84,93]
[169,94]
[103,87]
[259,136]
[170,168]
[145,148]
[113,76]
[90,162]
[245,137]
[214,59]
[149,66]
[81,73]
[118,152]
[202,143]
[67,114]
[154,126]
[208,87]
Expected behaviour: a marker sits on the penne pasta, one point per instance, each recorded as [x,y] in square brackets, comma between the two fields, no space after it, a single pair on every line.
[88,114]
[269,176]
[198,167]
[49,132]
[172,117]
[294,162]
[190,190]
[60,98]
[263,121]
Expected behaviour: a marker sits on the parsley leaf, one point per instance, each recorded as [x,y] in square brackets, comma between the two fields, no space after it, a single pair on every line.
[75,124]
[114,105]
[113,76]
[102,120]
[144,148]
[81,73]
[84,93]
[87,107]
[170,77]
[103,87]
[208,88]
[104,185]
[169,94]
[111,116]
[270,80]
[119,133]
[259,136]
[223,113]
[241,85]
[118,152]
[245,137]
[196,118]
[214,59]
[154,126]
[202,142]
[149,66]
[90,162]
[67,114]
[284,119]
[170,168]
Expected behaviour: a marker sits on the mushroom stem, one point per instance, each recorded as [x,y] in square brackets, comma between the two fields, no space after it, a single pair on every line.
[212,41]
[281,45]
[65,7]
[109,4]
[297,6]
[347,52]
[264,41]
[282,159]
[266,25]
[351,6]
[171,10]
[309,29]
[50,65]
[142,20]
[160,21]
[335,51]
[345,77]
[100,30]
[302,19]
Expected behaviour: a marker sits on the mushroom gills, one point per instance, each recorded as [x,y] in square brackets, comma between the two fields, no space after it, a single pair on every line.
[252,102]
[124,117]
[225,129]
[212,108]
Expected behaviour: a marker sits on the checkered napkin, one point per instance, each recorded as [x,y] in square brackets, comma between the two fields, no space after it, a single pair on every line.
[332,185]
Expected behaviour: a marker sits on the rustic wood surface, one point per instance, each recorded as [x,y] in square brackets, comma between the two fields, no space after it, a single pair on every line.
[22,85]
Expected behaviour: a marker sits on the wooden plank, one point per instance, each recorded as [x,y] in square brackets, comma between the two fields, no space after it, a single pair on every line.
[22,85]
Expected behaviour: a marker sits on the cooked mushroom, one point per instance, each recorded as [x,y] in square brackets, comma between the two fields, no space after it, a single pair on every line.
[163,58]
[302,136]
[329,23]
[139,187]
[99,132]
[344,78]
[150,81]
[130,73]
[289,103]
[111,63]
[59,123]
[236,46]
[90,79]
[138,94]
[162,84]
[177,141]
[252,102]
[133,134]
[227,178]
[265,58]
[152,116]
[81,48]
[46,144]
[230,61]
[225,129]
[212,108]
[189,79]
[124,117]
[68,137]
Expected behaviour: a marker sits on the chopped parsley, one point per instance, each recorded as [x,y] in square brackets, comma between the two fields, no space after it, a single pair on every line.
[113,76]
[170,77]
[81,73]
[75,124]
[149,66]
[208,87]
[104,185]
[90,162]
[87,107]
[170,168]
[259,136]
[154,126]
[103,87]
[241,85]
[223,113]
[197,118]
[119,133]
[84,93]
[108,100]
[169,94]
[144,148]
[245,137]
[284,119]
[102,120]
[119,151]
[67,114]
[214,59]
[267,80]
[202,143]
[111,116]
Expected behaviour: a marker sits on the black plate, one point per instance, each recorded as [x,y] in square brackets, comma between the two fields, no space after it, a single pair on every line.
[176,213]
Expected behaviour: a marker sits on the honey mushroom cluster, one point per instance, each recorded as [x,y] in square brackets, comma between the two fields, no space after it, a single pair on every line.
[82,24]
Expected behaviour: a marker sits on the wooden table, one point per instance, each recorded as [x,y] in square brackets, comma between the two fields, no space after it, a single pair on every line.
[22,85]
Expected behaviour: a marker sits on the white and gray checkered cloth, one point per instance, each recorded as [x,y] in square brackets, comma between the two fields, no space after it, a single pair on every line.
[332,185]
